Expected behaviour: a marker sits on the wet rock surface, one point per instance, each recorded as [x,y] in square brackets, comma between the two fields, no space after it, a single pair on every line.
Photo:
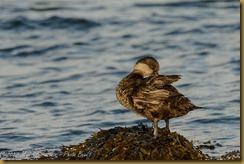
[137,143]
[133,143]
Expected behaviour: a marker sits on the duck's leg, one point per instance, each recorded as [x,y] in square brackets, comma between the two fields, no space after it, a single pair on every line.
[155,132]
[167,124]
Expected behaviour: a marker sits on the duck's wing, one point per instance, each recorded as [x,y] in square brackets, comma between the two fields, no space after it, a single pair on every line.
[162,80]
[151,92]
[153,97]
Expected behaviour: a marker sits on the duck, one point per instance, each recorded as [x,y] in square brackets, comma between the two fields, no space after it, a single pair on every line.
[151,95]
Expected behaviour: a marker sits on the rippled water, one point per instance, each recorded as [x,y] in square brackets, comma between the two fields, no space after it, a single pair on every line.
[61,61]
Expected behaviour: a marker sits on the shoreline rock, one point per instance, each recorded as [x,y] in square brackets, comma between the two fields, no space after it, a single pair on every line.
[131,143]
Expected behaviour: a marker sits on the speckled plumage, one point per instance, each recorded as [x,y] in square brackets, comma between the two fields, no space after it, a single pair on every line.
[151,95]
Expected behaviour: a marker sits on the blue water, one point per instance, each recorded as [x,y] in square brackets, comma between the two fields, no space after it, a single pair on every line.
[61,61]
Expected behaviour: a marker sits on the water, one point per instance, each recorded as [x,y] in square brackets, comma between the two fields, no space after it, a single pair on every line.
[61,61]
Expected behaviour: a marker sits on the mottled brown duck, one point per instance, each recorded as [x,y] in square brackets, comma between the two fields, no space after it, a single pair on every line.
[151,95]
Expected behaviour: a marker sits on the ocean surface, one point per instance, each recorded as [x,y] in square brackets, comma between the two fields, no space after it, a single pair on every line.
[61,61]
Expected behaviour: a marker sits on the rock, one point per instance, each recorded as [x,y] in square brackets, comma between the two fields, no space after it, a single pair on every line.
[131,143]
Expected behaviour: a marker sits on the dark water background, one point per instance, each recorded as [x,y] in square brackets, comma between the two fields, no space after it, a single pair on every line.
[61,60]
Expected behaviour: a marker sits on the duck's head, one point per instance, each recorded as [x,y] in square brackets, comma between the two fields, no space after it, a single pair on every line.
[147,66]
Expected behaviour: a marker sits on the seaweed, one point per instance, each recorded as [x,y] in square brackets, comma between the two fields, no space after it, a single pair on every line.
[138,143]
[131,143]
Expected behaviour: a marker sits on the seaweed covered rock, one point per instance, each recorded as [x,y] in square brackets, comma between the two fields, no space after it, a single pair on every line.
[134,143]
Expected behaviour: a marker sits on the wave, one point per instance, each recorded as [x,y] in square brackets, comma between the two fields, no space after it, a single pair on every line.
[26,51]
[199,4]
[46,104]
[53,22]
